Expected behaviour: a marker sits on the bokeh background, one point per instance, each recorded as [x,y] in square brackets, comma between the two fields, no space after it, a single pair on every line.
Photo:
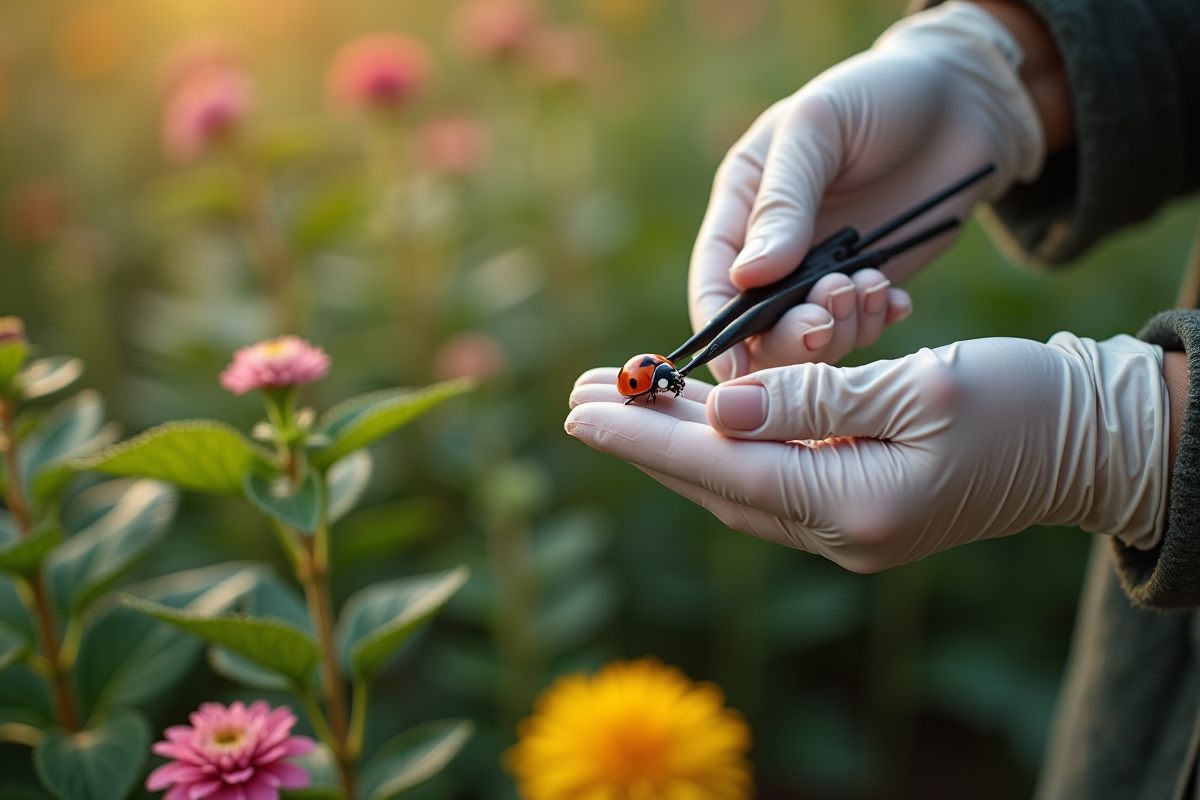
[559,241]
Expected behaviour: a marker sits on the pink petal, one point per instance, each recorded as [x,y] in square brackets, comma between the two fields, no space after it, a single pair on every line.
[260,789]
[198,791]
[295,746]
[241,776]
[174,772]
[177,792]
[290,776]
[178,752]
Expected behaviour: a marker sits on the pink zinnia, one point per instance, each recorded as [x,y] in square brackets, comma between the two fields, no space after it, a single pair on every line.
[494,29]
[234,753]
[206,106]
[275,364]
[454,144]
[381,71]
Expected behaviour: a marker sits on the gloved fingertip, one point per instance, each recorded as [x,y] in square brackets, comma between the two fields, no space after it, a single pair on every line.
[742,407]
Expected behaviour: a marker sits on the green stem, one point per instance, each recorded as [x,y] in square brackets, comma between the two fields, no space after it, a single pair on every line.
[358,719]
[37,596]
[317,718]
[314,576]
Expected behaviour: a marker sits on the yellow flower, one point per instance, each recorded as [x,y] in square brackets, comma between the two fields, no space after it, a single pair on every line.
[638,730]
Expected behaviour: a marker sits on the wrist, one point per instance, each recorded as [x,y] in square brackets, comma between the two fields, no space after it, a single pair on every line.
[1175,374]
[1042,70]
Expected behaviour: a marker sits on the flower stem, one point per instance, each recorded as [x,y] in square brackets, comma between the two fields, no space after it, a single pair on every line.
[314,575]
[38,601]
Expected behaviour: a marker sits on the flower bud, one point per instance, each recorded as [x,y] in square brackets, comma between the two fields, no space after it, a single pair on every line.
[207,106]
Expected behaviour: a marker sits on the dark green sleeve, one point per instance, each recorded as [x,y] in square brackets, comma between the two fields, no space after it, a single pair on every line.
[1168,576]
[1134,69]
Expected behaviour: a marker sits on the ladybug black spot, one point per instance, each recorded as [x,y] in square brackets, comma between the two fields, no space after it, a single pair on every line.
[633,383]
[647,361]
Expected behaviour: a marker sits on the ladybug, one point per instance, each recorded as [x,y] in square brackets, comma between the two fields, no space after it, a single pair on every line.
[648,374]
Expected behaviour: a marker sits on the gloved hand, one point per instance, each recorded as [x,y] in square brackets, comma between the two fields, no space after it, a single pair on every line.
[936,97]
[887,463]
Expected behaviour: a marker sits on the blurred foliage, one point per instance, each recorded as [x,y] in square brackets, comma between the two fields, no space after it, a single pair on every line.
[568,248]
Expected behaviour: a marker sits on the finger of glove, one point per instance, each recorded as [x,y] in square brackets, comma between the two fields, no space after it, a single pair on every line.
[871,290]
[723,231]
[899,306]
[741,518]
[894,400]
[800,336]
[818,488]
[693,389]
[733,363]
[804,158]
[837,294]
[678,407]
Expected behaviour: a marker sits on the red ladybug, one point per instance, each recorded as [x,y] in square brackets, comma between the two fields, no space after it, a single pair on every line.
[648,374]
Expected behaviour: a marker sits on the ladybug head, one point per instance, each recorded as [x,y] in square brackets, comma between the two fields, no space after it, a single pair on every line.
[666,379]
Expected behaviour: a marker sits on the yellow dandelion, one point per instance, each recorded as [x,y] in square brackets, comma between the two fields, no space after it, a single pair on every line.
[637,730]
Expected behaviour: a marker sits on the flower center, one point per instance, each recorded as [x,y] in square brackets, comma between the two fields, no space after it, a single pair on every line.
[228,737]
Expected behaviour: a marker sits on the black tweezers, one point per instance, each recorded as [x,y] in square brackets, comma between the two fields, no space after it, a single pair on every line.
[757,310]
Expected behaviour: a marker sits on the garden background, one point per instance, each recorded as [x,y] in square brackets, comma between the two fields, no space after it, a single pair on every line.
[520,220]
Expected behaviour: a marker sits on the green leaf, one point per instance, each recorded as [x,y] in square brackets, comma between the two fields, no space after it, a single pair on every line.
[127,658]
[329,213]
[574,614]
[270,597]
[93,559]
[102,762]
[414,757]
[12,357]
[345,483]
[22,555]
[49,375]
[274,644]
[387,529]
[361,420]
[201,455]
[200,192]
[380,618]
[13,611]
[72,430]
[275,497]
[25,698]
[14,644]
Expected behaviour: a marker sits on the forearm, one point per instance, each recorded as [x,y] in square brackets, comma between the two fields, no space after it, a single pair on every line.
[1042,71]
[1175,373]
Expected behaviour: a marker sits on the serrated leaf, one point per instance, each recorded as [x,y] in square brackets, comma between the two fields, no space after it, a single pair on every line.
[201,455]
[93,559]
[414,757]
[270,597]
[49,375]
[274,644]
[359,421]
[13,646]
[127,657]
[299,507]
[345,483]
[22,555]
[379,619]
[102,762]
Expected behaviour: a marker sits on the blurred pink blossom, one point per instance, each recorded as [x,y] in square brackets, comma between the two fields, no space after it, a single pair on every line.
[454,144]
[471,354]
[566,55]
[275,364]
[205,106]
[494,29]
[234,753]
[380,71]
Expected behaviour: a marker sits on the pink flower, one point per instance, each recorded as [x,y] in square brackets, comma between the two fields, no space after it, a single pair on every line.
[494,29]
[207,105]
[563,56]
[471,354]
[234,753]
[381,71]
[454,144]
[275,364]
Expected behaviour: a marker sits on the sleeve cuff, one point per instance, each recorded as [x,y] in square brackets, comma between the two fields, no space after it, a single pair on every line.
[1168,576]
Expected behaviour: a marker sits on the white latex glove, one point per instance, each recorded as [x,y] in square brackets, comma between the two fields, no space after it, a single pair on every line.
[936,97]
[887,463]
